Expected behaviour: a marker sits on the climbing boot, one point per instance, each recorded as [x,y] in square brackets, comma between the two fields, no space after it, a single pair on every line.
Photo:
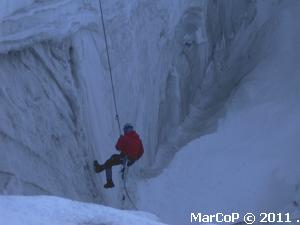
[109,184]
[98,167]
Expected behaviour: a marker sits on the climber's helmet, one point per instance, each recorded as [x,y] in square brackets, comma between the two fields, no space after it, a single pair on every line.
[127,128]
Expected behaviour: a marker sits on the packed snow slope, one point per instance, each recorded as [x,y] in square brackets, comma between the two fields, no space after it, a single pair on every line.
[250,164]
[16,210]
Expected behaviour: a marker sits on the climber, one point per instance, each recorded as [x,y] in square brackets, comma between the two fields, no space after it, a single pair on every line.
[131,149]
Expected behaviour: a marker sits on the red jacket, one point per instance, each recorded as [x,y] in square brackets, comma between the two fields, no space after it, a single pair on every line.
[131,145]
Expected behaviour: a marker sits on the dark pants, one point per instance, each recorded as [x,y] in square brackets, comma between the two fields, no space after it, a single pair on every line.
[114,160]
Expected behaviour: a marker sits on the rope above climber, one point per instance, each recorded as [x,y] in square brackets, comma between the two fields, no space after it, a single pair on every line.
[131,149]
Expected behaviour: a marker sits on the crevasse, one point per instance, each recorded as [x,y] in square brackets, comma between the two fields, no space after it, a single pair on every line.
[175,65]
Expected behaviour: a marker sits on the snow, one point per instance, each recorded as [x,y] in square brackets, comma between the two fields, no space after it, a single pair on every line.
[250,164]
[56,102]
[43,21]
[9,7]
[45,210]
[222,75]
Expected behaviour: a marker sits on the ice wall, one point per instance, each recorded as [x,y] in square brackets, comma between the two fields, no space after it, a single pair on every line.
[249,164]
[57,112]
[218,44]
[45,146]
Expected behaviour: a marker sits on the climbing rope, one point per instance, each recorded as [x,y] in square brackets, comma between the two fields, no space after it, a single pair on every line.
[110,70]
[124,170]
[124,178]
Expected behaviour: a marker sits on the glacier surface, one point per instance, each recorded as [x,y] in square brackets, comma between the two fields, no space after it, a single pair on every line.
[45,210]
